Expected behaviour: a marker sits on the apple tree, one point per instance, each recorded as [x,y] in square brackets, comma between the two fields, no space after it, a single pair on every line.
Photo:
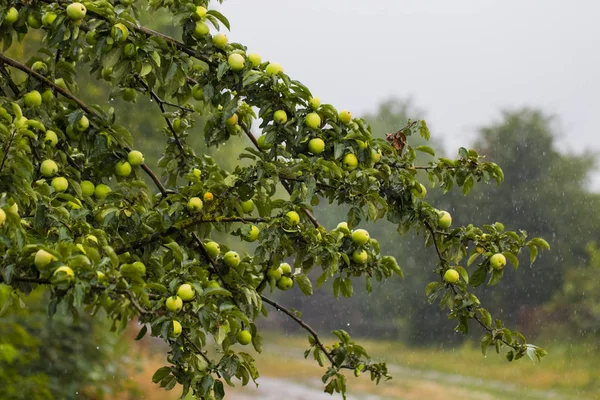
[84,215]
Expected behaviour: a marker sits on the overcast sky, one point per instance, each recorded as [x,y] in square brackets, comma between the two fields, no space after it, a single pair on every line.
[461,61]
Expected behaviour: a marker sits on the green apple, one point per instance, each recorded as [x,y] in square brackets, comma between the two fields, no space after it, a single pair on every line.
[275,274]
[213,249]
[375,156]
[220,40]
[11,16]
[285,283]
[48,18]
[419,191]
[212,285]
[236,62]
[101,191]
[134,270]
[33,99]
[253,234]
[316,146]
[129,94]
[195,204]
[51,138]
[199,13]
[274,69]
[286,269]
[2,217]
[248,206]
[343,227]
[139,268]
[83,124]
[47,96]
[43,258]
[130,50]
[40,67]
[63,274]
[312,120]
[90,38]
[176,329]
[233,120]
[48,168]
[123,168]
[444,219]
[360,237]
[76,11]
[314,103]
[360,256]
[201,30]
[197,173]
[451,276]
[261,143]
[293,217]
[135,158]
[87,188]
[198,93]
[60,82]
[174,304]
[119,32]
[60,184]
[345,116]
[498,261]
[280,117]
[106,73]
[244,337]
[186,292]
[254,59]
[33,21]
[362,144]
[350,162]
[231,259]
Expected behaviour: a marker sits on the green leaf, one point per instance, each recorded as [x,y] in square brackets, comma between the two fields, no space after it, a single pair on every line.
[160,374]
[425,149]
[533,252]
[473,258]
[539,242]
[478,277]
[221,18]
[463,273]
[512,258]
[304,284]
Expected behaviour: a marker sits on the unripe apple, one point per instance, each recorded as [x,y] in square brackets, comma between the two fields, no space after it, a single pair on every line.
[76,11]
[48,18]
[280,117]
[262,144]
[87,188]
[213,249]
[176,329]
[312,120]
[220,40]
[360,237]
[201,30]
[11,16]
[345,116]
[63,274]
[444,219]
[343,227]
[451,276]
[350,162]
[119,32]
[60,82]
[285,283]
[43,258]
[231,259]
[60,184]
[274,68]
[213,285]
[101,191]
[198,93]
[199,13]
[40,67]
[254,59]
[2,217]
[316,146]
[90,38]
[129,94]
[197,173]
[375,156]
[48,168]
[420,191]
[123,168]
[360,256]
[208,197]
[248,206]
[47,96]
[275,274]
[135,158]
[236,62]
[195,205]
[186,292]
[83,124]
[314,103]
[33,21]
[498,261]
[253,234]
[286,269]
[293,217]
[174,303]
[233,120]
[51,138]
[106,73]
[33,99]
[244,337]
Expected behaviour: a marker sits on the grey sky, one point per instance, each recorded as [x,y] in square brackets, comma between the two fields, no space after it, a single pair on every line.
[460,60]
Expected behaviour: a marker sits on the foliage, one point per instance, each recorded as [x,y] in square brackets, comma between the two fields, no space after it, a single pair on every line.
[128,249]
